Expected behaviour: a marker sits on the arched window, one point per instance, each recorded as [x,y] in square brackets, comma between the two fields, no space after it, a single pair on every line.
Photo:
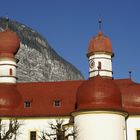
[99,65]
[10,72]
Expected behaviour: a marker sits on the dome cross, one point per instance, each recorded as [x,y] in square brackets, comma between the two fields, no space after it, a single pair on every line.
[100,24]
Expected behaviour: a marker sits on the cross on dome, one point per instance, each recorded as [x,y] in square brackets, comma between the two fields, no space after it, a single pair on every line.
[7,22]
[100,23]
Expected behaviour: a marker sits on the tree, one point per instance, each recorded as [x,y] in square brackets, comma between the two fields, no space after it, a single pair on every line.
[57,131]
[9,129]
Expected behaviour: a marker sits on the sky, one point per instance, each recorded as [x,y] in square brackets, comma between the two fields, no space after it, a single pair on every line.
[68,26]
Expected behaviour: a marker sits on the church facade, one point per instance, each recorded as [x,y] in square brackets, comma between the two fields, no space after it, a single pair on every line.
[100,107]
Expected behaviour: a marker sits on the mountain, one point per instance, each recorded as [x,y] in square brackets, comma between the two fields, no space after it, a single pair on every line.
[38,61]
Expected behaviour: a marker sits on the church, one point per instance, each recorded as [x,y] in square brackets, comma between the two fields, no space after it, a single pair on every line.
[100,107]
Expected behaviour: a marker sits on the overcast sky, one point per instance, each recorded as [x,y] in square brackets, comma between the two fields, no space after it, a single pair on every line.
[68,25]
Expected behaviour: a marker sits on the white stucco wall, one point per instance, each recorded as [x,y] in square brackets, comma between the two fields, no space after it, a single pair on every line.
[34,124]
[5,66]
[106,65]
[133,124]
[100,126]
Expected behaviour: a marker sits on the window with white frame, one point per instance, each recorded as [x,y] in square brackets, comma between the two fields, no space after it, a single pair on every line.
[57,103]
[27,104]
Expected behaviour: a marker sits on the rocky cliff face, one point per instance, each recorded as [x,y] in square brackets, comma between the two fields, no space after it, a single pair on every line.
[37,60]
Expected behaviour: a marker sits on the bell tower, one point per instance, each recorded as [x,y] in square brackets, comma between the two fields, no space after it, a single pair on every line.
[9,44]
[100,55]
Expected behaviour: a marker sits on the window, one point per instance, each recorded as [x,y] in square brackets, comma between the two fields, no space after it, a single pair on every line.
[27,104]
[32,135]
[99,65]
[138,134]
[10,72]
[57,103]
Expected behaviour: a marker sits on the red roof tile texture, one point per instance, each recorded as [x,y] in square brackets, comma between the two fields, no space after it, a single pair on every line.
[99,43]
[42,97]
[99,93]
[130,95]
[9,43]
[94,94]
[10,98]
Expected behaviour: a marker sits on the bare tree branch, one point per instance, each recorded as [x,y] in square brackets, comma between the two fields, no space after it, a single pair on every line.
[10,130]
[57,132]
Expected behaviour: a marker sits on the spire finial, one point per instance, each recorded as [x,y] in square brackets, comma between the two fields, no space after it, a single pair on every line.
[7,21]
[100,23]
[130,74]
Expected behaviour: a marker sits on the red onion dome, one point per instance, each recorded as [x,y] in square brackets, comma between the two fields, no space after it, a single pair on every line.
[131,99]
[99,43]
[99,93]
[10,98]
[9,43]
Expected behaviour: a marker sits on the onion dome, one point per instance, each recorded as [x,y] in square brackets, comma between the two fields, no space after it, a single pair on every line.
[9,43]
[131,99]
[100,43]
[99,93]
[10,98]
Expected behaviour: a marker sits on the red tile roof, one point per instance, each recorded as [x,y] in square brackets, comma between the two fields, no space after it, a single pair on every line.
[42,95]
[99,93]
[130,95]
[8,96]
[99,43]
[9,43]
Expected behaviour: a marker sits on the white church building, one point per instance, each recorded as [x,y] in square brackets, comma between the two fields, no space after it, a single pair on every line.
[101,107]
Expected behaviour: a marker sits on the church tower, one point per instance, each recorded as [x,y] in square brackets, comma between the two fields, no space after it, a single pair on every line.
[100,55]
[99,114]
[10,98]
[9,44]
